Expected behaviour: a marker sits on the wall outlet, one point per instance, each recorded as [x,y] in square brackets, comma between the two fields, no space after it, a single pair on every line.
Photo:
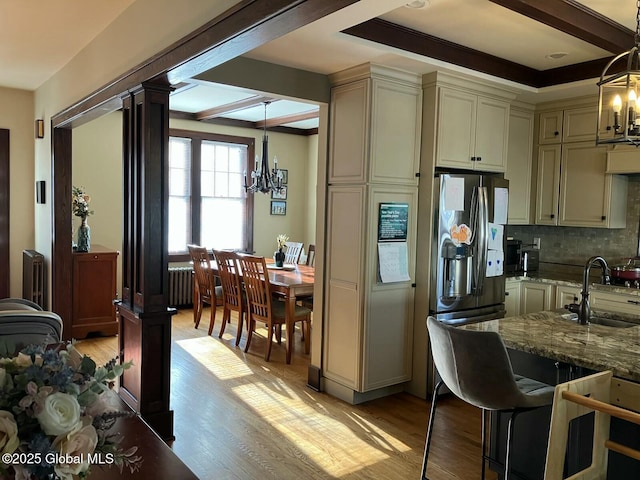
[536,243]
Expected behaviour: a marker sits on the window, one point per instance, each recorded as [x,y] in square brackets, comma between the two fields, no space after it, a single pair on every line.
[207,202]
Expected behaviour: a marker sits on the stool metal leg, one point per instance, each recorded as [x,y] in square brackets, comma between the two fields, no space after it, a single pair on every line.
[507,461]
[484,442]
[432,414]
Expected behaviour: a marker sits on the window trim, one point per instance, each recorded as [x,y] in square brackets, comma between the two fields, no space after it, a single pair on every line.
[196,141]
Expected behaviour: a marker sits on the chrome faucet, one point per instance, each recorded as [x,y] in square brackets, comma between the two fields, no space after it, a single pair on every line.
[585,310]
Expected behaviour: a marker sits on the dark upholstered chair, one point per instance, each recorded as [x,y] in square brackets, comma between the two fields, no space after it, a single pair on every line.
[475,366]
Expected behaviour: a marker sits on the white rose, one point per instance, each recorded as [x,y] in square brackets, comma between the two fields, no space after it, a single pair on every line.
[60,413]
[8,432]
[77,444]
[23,360]
[107,401]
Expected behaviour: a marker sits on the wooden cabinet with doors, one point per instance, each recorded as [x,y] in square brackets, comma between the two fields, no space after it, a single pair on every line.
[574,189]
[94,290]
[568,125]
[472,131]
[374,153]
[536,297]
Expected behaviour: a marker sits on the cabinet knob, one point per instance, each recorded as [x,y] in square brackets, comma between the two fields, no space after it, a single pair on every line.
[604,217]
[473,159]
[479,159]
[506,294]
[556,133]
[608,128]
[95,257]
[552,215]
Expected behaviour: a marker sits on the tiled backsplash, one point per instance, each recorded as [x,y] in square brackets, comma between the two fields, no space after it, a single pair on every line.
[574,245]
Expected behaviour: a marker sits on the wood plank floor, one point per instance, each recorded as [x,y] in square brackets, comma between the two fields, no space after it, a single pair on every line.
[239,417]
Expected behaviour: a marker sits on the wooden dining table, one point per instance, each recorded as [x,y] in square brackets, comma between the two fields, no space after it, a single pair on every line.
[290,282]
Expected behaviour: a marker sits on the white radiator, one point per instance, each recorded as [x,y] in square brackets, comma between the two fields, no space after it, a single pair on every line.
[180,286]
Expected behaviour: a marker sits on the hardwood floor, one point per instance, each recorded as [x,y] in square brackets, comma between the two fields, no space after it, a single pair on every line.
[239,417]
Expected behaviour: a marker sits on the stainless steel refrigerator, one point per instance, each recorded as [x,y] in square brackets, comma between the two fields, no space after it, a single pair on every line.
[467,274]
[467,253]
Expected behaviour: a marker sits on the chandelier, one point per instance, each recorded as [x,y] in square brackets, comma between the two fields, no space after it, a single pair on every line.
[619,99]
[264,179]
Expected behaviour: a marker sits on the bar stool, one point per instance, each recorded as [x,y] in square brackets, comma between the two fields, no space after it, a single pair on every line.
[475,366]
[607,397]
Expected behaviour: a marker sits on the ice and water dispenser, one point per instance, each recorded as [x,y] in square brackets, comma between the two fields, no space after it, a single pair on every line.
[458,268]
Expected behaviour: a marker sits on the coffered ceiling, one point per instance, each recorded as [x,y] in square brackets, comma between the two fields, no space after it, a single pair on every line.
[541,49]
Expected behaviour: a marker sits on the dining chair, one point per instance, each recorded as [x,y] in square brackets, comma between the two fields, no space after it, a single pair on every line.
[311,255]
[234,298]
[262,308]
[475,366]
[293,253]
[207,291]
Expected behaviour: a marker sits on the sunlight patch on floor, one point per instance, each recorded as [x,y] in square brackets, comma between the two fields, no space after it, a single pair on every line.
[302,423]
[216,358]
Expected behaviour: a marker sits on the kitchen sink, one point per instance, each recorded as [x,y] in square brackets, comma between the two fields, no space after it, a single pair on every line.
[611,322]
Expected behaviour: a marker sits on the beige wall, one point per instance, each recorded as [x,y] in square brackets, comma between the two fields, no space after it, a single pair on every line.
[97,166]
[144,29]
[16,115]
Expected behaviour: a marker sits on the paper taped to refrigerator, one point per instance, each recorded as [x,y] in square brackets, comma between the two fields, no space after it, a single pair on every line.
[495,263]
[496,235]
[500,205]
[393,258]
[453,193]
[460,234]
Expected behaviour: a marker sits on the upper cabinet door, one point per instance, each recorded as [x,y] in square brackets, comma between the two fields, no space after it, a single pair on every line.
[492,135]
[519,166]
[550,128]
[585,189]
[456,129]
[396,121]
[548,184]
[579,124]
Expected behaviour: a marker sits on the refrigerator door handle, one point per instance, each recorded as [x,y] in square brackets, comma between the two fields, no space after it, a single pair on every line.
[483,218]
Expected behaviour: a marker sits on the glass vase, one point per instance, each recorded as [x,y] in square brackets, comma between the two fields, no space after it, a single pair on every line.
[279,257]
[84,236]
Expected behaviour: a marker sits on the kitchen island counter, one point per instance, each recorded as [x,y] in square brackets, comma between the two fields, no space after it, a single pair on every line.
[548,334]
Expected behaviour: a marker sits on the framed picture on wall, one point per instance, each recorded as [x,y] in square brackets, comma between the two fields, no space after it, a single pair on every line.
[278,208]
[279,195]
[285,176]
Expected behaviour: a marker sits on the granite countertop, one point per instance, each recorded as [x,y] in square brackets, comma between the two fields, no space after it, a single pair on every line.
[549,335]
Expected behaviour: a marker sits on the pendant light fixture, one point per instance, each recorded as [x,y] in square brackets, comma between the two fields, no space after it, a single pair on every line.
[263,179]
[618,98]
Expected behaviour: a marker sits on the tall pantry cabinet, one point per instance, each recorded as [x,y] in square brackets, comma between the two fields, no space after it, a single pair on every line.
[374,150]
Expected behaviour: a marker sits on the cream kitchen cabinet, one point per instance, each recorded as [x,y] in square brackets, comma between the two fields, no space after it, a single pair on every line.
[375,130]
[566,294]
[573,188]
[536,296]
[519,166]
[472,131]
[614,302]
[374,153]
[512,298]
[569,125]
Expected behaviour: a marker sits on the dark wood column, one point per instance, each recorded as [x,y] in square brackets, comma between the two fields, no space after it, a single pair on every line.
[145,319]
[4,212]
